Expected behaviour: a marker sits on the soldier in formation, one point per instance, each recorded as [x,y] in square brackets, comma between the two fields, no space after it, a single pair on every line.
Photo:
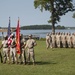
[60,40]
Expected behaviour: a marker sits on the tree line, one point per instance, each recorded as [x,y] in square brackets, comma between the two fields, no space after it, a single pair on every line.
[41,27]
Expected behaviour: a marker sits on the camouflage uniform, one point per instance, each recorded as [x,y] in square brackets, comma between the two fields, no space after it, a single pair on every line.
[63,40]
[69,40]
[58,40]
[53,40]
[5,50]
[13,50]
[73,40]
[23,55]
[30,52]
[47,41]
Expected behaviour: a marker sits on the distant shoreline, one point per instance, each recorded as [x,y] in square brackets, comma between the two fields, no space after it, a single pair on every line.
[39,27]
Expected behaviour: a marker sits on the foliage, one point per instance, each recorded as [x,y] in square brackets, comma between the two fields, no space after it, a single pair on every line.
[41,27]
[57,8]
[37,27]
[59,27]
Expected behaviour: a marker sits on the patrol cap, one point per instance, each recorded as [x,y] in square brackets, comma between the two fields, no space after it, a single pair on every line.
[21,34]
[30,35]
[5,36]
[47,34]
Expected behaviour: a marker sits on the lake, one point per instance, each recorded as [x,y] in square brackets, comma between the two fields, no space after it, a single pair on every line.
[42,33]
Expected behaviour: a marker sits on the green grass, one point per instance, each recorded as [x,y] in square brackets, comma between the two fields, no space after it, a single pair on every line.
[56,61]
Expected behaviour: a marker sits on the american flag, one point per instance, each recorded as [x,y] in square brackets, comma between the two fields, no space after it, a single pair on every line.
[9,40]
[9,34]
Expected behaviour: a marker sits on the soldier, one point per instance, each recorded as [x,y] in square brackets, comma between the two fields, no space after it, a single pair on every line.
[22,44]
[5,49]
[61,35]
[53,40]
[69,40]
[58,40]
[64,40]
[13,50]
[50,40]
[1,57]
[30,45]
[47,41]
[73,40]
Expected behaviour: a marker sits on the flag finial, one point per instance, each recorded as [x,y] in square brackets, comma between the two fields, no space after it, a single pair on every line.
[18,18]
[9,18]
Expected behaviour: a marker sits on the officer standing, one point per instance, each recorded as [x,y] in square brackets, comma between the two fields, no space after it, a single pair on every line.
[30,46]
[5,49]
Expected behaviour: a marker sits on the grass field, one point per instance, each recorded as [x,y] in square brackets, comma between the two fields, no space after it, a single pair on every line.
[56,61]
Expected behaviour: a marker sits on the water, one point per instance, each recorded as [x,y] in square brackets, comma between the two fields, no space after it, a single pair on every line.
[41,33]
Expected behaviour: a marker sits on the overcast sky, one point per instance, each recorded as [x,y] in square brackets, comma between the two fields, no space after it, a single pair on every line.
[24,9]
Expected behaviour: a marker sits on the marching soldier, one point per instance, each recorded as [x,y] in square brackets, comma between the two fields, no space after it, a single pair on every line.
[30,45]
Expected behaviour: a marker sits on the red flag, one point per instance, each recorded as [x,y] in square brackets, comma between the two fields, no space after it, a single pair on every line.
[18,38]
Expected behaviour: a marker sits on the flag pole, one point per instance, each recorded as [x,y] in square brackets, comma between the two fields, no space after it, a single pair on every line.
[9,30]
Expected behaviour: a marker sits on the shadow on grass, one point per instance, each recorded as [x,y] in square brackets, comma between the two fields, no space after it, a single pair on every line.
[45,63]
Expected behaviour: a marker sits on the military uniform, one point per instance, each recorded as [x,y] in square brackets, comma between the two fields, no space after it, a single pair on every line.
[5,50]
[23,55]
[58,40]
[30,52]
[53,40]
[69,40]
[63,40]
[47,41]
[73,40]
[13,51]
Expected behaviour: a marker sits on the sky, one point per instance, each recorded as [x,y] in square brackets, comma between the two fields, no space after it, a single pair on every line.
[25,10]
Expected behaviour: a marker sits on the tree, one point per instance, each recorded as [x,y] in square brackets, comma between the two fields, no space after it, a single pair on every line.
[57,8]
